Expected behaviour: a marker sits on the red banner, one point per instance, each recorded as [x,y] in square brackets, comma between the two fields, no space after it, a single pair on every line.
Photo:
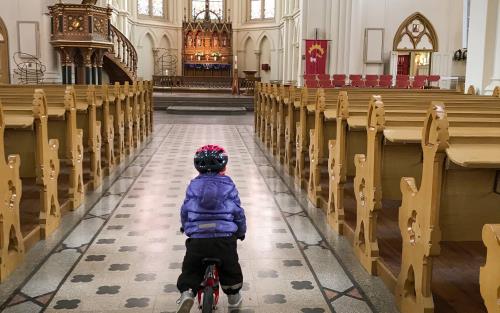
[316,54]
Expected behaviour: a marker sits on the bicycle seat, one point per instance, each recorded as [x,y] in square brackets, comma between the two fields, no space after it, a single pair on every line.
[210,261]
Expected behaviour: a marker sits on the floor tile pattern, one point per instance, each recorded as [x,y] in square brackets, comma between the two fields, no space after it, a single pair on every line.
[126,253]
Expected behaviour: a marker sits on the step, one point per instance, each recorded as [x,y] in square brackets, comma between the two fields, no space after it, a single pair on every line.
[206,110]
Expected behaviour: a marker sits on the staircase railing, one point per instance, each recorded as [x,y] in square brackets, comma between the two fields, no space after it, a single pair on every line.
[124,51]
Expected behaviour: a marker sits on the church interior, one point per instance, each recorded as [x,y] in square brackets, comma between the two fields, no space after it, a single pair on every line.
[363,138]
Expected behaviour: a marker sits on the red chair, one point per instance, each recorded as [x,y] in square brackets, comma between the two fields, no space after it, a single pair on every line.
[433,78]
[338,80]
[325,83]
[385,81]
[323,76]
[311,83]
[310,76]
[358,83]
[403,81]
[371,81]
[419,82]
[355,80]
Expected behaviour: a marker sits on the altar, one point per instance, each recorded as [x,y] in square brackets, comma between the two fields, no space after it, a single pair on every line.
[207,44]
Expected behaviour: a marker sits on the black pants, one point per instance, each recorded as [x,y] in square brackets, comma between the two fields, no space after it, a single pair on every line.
[224,249]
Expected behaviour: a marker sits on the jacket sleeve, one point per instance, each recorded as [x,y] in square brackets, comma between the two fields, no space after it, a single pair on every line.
[184,208]
[239,213]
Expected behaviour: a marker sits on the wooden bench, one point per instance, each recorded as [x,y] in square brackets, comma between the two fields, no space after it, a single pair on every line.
[11,240]
[292,116]
[351,139]
[489,276]
[265,112]
[282,111]
[26,134]
[305,131]
[393,151]
[62,125]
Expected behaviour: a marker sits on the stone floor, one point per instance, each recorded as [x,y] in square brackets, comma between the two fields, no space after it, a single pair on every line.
[125,253]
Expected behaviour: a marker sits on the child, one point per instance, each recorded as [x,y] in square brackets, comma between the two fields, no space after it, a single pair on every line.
[213,219]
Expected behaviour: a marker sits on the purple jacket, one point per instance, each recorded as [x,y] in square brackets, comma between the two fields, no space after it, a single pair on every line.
[212,208]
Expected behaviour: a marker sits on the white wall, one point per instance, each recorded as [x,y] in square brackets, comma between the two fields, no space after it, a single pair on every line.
[344,23]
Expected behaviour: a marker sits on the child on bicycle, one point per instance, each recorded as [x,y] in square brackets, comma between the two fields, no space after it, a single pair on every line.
[213,219]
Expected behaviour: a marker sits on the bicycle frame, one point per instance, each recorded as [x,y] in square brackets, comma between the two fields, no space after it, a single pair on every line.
[211,279]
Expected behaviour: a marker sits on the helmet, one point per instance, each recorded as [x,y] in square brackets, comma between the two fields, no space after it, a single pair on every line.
[210,159]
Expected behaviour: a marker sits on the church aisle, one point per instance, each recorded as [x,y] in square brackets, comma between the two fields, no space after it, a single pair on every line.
[126,254]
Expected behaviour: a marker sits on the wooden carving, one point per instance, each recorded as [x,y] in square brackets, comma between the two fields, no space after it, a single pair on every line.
[273,119]
[301,140]
[471,90]
[108,128]
[337,167]
[496,92]
[419,217]
[367,188]
[315,150]
[74,150]
[283,99]
[11,241]
[47,167]
[256,105]
[489,277]
[290,132]
[95,139]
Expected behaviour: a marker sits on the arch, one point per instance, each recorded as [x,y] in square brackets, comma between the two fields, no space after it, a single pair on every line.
[416,33]
[152,37]
[262,36]
[250,62]
[4,54]
[146,58]
[245,38]
[165,42]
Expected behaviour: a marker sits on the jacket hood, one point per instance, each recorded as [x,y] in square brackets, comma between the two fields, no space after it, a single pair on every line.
[212,189]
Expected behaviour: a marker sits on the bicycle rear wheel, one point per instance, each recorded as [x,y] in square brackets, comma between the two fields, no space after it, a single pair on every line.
[208,300]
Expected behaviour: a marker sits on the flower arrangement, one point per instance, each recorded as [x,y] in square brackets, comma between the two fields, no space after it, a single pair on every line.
[199,54]
[216,54]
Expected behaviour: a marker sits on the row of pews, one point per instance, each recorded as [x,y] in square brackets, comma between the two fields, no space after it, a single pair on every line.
[410,177]
[57,142]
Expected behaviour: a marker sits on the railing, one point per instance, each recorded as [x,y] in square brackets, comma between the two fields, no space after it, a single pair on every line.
[124,51]
[200,82]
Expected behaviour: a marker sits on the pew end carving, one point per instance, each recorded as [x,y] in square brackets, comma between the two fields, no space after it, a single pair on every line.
[12,249]
[367,188]
[489,277]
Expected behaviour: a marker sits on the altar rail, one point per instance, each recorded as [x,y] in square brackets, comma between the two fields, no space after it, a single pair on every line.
[199,82]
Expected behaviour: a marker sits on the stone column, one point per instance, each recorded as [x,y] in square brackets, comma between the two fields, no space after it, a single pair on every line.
[483,71]
[88,66]
[257,56]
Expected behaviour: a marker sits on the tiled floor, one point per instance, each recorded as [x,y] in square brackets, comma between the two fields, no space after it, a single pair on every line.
[125,254]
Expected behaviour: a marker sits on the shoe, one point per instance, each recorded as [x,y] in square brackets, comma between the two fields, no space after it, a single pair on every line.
[234,301]
[185,302]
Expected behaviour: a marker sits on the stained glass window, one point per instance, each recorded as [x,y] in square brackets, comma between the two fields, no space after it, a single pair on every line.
[269,8]
[143,7]
[216,6]
[158,7]
[153,8]
[262,9]
[255,9]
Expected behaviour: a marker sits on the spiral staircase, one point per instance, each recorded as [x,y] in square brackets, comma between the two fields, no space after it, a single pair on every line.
[121,62]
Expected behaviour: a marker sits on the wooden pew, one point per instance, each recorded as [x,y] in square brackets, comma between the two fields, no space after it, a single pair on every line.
[272,137]
[305,131]
[265,111]
[62,125]
[489,276]
[11,240]
[26,134]
[291,118]
[256,101]
[351,139]
[282,111]
[393,151]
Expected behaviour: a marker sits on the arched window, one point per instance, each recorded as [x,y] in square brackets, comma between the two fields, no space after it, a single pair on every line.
[216,6]
[151,8]
[262,9]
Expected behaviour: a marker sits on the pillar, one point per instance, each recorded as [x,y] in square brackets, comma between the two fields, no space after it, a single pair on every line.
[87,62]
[257,55]
[483,64]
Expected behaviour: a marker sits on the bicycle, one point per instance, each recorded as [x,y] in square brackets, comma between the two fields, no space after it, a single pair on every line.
[208,294]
